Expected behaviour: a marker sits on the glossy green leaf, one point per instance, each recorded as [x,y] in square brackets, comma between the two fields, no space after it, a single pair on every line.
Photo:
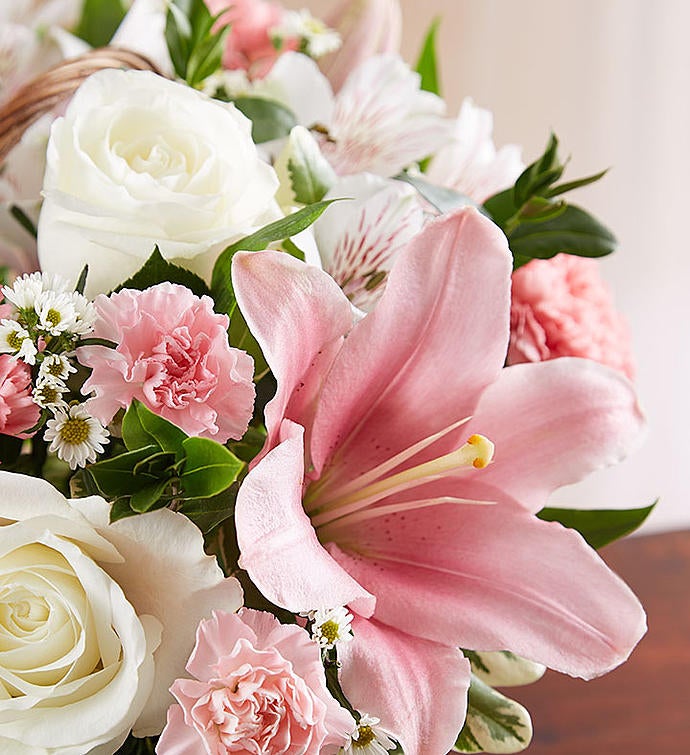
[209,468]
[156,270]
[99,21]
[163,433]
[24,220]
[251,443]
[599,527]
[149,497]
[270,119]
[209,513]
[555,191]
[540,174]
[494,722]
[115,477]
[221,281]
[427,66]
[121,510]
[572,231]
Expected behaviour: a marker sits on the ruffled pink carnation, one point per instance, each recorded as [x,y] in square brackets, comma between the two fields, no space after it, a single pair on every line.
[562,307]
[248,46]
[173,356]
[17,409]
[259,688]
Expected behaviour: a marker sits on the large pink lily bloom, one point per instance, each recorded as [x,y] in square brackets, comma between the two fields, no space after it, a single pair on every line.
[377,489]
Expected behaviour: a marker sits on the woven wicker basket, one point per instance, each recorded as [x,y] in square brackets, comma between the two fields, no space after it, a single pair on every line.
[50,88]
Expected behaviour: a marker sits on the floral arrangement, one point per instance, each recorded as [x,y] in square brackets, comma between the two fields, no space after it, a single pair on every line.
[277,442]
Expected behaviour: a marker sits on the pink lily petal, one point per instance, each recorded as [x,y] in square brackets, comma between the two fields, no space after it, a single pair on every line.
[279,546]
[421,690]
[403,373]
[553,423]
[495,578]
[300,344]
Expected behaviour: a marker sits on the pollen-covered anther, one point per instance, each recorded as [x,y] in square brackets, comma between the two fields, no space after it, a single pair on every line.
[484,449]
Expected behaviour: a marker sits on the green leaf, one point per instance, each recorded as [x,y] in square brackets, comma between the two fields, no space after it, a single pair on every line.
[555,191]
[156,270]
[292,249]
[241,338]
[121,510]
[221,281]
[494,722]
[147,498]
[10,450]
[572,231]
[164,434]
[443,199]
[311,176]
[251,443]
[209,513]
[115,477]
[195,49]
[599,527]
[135,746]
[427,66]
[270,119]
[82,484]
[24,220]
[133,434]
[538,176]
[209,468]
[99,21]
[81,281]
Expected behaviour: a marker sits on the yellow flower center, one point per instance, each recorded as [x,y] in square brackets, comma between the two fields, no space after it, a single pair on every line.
[330,630]
[53,317]
[48,394]
[365,736]
[74,431]
[14,340]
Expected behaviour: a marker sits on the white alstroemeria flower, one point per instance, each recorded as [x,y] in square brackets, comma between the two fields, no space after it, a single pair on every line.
[143,30]
[383,121]
[470,163]
[331,626]
[91,640]
[358,239]
[76,436]
[316,38]
[369,739]
[380,121]
[15,339]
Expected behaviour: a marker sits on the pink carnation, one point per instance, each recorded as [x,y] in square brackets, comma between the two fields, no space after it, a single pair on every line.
[562,307]
[259,688]
[17,409]
[248,46]
[173,356]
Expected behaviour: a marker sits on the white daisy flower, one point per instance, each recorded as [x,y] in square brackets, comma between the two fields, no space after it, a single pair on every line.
[331,626]
[55,367]
[369,739]
[48,394]
[86,314]
[26,289]
[56,312]
[76,436]
[315,37]
[15,339]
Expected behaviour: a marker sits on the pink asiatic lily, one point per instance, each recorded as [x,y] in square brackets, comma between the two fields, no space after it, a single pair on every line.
[375,488]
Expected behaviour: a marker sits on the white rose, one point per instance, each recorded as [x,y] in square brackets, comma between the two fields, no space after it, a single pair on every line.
[139,160]
[96,620]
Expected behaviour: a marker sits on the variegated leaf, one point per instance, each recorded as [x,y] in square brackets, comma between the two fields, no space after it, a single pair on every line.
[504,669]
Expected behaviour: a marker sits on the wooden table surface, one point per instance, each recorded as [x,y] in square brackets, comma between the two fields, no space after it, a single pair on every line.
[643,706]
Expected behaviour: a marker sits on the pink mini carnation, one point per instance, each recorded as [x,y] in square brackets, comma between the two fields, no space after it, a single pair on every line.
[562,307]
[259,688]
[173,356]
[249,46]
[17,409]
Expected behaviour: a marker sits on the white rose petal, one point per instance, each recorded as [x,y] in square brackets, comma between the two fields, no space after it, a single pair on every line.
[139,161]
[95,619]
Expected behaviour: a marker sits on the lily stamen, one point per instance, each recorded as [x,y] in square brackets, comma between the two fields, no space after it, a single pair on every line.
[477,452]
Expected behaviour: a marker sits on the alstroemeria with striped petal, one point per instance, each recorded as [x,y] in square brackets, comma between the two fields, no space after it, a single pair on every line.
[358,240]
[379,488]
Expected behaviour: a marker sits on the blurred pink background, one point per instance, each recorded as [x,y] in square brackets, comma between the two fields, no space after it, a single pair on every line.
[612,78]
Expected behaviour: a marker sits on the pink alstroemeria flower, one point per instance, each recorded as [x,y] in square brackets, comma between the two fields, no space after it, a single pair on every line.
[375,491]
